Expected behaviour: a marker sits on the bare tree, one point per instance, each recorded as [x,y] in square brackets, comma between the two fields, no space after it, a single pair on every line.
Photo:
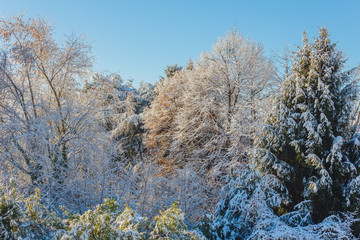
[227,94]
[203,118]
[159,118]
[44,128]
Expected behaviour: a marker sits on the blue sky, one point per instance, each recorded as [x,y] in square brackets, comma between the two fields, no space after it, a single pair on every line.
[138,39]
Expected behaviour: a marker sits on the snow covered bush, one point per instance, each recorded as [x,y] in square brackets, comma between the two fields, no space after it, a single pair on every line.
[331,227]
[170,225]
[132,225]
[111,221]
[247,201]
[246,211]
[38,222]
[93,224]
[9,213]
[25,217]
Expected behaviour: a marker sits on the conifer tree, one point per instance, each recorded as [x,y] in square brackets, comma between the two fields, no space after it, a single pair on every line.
[305,152]
[303,144]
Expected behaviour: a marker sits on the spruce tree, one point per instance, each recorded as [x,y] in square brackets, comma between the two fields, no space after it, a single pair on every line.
[303,142]
[305,152]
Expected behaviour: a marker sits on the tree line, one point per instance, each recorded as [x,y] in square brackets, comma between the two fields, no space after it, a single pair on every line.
[247,150]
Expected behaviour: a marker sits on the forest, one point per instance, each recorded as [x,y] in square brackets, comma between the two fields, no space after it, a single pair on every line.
[234,145]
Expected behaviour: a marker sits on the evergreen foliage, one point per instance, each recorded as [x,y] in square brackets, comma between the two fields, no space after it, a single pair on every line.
[303,143]
[27,218]
[305,152]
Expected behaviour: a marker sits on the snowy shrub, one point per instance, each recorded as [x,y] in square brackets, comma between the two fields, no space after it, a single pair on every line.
[37,221]
[246,212]
[9,213]
[26,217]
[93,224]
[170,225]
[247,200]
[331,228]
[131,225]
[110,221]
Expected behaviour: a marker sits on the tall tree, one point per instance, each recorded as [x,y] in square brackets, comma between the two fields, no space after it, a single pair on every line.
[159,118]
[204,117]
[46,133]
[224,102]
[303,143]
[305,151]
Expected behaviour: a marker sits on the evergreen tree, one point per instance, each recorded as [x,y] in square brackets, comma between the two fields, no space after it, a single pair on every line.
[305,148]
[303,142]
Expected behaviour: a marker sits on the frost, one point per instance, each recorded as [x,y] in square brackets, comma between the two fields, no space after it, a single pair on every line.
[306,171]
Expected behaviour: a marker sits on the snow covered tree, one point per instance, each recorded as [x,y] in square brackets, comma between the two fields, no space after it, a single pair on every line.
[303,143]
[224,101]
[209,111]
[206,114]
[37,74]
[49,136]
[159,118]
[118,106]
[305,151]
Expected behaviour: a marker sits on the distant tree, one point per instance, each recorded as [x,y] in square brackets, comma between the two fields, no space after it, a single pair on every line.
[159,117]
[355,121]
[190,65]
[146,93]
[118,106]
[171,70]
[283,61]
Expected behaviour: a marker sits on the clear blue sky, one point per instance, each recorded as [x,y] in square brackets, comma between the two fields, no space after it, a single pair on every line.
[139,39]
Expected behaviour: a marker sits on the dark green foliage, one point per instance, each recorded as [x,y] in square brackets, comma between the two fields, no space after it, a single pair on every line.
[171,70]
[130,138]
[305,139]
[9,211]
[26,218]
[305,168]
